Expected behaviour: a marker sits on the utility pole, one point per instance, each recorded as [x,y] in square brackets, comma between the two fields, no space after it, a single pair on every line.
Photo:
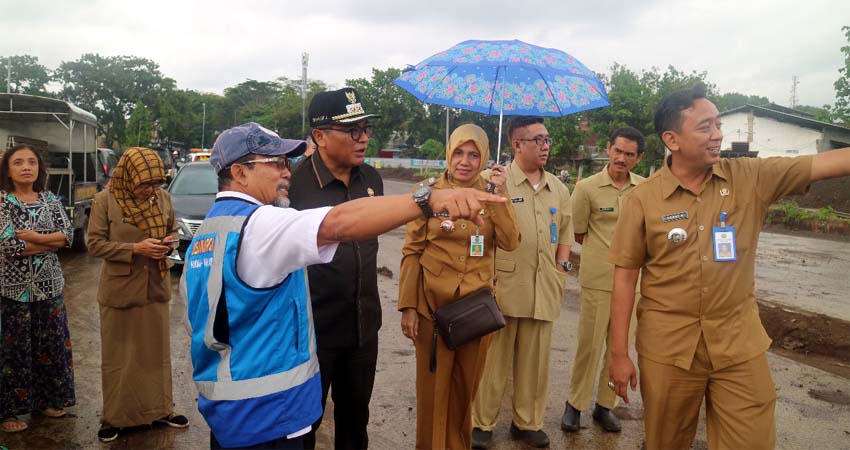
[304,60]
[204,124]
[8,77]
[795,80]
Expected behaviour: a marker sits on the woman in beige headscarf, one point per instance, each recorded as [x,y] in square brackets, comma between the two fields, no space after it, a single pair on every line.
[132,228]
[438,266]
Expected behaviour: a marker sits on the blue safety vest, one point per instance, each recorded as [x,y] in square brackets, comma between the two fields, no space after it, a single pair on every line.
[253,350]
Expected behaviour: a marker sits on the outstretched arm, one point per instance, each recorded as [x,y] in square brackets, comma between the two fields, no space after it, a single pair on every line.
[366,218]
[831,164]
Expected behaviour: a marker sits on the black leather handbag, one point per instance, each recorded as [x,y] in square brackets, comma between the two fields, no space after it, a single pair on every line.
[469,318]
[464,320]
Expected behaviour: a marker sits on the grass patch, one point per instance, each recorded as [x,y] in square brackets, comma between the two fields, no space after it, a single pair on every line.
[793,213]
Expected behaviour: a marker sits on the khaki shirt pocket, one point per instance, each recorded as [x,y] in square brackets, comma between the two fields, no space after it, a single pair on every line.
[505,265]
[116,269]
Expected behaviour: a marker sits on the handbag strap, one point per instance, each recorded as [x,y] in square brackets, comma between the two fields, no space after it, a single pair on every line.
[432,359]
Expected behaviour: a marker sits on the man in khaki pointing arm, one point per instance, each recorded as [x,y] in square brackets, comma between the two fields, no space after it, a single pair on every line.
[691,231]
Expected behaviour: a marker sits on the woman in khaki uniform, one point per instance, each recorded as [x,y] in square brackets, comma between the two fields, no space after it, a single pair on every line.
[437,267]
[132,228]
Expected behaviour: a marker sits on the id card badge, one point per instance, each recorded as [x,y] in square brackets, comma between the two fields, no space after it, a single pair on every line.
[553,228]
[476,245]
[723,238]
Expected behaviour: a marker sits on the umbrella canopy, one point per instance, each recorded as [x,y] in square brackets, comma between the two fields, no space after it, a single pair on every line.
[505,77]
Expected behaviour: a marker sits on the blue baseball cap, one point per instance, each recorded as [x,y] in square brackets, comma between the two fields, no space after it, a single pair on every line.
[248,138]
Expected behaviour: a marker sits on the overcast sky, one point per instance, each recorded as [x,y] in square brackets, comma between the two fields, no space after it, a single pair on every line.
[752,47]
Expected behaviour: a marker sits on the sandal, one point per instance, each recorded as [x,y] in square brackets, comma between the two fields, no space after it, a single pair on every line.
[11,424]
[54,412]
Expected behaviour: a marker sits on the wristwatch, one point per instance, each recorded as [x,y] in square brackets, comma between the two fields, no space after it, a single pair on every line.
[421,197]
[568,266]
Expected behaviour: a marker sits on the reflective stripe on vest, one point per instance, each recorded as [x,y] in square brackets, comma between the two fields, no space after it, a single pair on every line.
[225,388]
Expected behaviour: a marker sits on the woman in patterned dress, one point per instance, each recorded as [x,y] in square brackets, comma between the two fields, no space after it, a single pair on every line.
[37,369]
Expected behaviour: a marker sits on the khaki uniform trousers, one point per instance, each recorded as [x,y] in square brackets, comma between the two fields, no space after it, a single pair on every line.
[739,403]
[523,347]
[594,342]
[444,397]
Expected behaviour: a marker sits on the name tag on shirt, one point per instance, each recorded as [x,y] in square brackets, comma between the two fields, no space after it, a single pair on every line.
[724,243]
[517,200]
[476,245]
[606,209]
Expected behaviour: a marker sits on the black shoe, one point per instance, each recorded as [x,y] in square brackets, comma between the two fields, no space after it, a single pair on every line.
[571,419]
[107,433]
[533,438]
[606,419]
[174,420]
[481,439]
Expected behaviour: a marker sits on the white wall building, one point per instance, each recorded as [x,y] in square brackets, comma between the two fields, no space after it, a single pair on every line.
[775,131]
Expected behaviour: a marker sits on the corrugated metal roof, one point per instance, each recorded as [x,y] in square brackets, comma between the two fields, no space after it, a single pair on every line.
[42,108]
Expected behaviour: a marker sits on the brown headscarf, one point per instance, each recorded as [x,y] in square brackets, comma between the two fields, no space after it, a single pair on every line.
[461,135]
[140,165]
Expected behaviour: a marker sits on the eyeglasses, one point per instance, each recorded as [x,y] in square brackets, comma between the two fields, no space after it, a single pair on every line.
[539,140]
[282,162]
[355,132]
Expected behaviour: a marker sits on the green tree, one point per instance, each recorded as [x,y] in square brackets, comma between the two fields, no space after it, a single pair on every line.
[633,97]
[433,149]
[732,100]
[110,86]
[840,113]
[400,111]
[286,116]
[253,101]
[27,75]
[821,114]
[139,127]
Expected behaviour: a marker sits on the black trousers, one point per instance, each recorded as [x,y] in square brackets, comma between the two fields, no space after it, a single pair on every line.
[283,443]
[350,374]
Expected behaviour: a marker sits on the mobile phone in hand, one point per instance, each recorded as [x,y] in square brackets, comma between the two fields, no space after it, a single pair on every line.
[170,242]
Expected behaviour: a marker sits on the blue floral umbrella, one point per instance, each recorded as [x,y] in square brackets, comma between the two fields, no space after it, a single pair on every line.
[505,78]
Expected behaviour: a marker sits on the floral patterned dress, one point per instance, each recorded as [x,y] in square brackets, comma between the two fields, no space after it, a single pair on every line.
[37,369]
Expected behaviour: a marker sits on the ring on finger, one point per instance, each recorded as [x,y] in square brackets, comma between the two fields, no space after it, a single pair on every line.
[612,386]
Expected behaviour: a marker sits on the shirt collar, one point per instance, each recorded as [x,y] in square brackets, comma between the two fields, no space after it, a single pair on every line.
[519,176]
[606,178]
[239,195]
[321,171]
[669,182]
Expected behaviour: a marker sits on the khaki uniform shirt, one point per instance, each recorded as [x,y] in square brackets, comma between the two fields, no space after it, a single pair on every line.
[437,263]
[596,206]
[684,292]
[528,282]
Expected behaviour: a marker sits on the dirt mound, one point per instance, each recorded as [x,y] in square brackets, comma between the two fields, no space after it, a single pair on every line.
[834,192]
[811,338]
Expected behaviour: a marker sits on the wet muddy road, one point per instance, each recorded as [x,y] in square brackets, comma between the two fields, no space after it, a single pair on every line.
[804,273]
[813,407]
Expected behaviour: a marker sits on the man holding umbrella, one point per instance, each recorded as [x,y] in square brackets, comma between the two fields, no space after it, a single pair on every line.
[530,289]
